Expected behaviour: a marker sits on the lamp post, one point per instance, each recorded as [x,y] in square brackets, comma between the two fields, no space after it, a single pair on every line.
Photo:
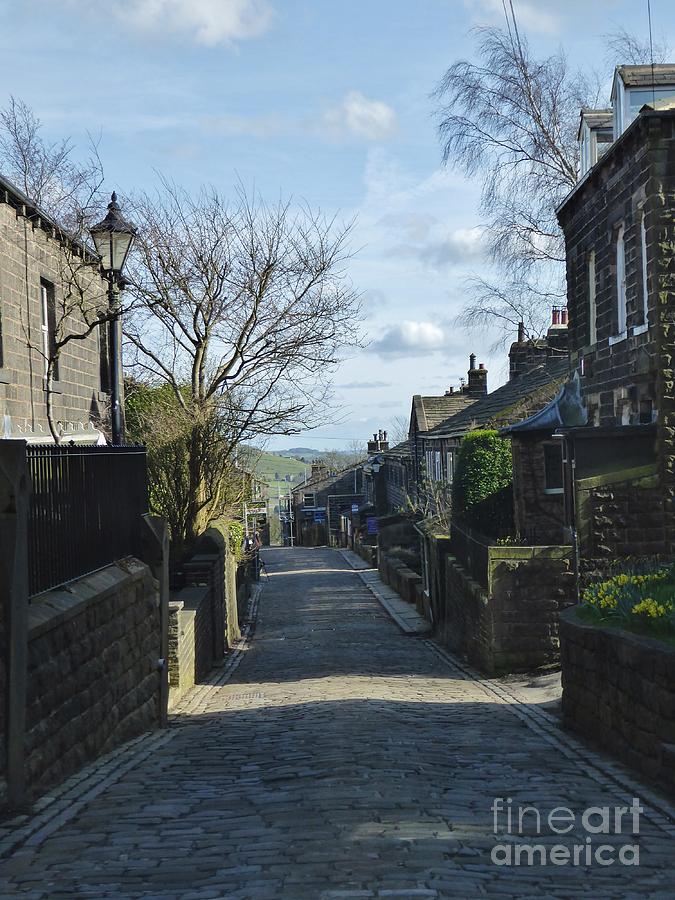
[113,238]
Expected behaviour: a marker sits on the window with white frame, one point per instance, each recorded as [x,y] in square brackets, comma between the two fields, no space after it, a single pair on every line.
[645,285]
[48,327]
[620,281]
[592,305]
[450,466]
[433,462]
[309,500]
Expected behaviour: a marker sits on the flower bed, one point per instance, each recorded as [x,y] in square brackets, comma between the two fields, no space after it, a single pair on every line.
[641,601]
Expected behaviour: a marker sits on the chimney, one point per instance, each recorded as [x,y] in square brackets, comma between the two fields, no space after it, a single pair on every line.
[556,336]
[450,391]
[477,384]
[521,332]
[318,468]
[379,442]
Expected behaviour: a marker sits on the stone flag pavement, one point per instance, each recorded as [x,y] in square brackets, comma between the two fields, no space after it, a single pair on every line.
[343,758]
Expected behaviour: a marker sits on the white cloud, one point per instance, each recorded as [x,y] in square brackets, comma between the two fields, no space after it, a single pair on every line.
[358,116]
[529,16]
[410,338]
[208,22]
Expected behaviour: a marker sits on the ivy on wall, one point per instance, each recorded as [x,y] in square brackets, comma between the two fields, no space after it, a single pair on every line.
[482,493]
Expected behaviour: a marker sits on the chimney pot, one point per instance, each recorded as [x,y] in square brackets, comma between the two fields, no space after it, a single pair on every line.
[472,361]
[521,332]
[481,365]
[563,316]
[555,316]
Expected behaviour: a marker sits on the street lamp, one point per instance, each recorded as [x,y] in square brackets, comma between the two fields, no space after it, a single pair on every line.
[113,238]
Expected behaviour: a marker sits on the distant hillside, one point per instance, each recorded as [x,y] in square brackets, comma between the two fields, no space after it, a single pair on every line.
[305,452]
[279,472]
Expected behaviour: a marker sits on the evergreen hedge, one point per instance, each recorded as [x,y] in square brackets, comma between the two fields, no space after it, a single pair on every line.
[482,490]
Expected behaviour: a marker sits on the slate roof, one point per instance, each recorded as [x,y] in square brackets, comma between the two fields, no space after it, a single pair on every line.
[598,118]
[495,406]
[400,451]
[641,76]
[325,477]
[431,411]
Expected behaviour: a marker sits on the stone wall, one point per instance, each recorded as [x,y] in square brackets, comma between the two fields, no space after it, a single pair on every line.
[190,640]
[512,625]
[204,615]
[406,582]
[620,514]
[28,253]
[93,679]
[619,691]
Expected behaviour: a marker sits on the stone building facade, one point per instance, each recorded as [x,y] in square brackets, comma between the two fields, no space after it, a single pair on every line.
[41,271]
[619,229]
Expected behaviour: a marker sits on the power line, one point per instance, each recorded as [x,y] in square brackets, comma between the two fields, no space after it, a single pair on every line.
[651,48]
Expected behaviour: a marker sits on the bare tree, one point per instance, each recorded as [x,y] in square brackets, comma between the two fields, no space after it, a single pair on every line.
[627,49]
[242,309]
[510,120]
[398,430]
[68,190]
[58,180]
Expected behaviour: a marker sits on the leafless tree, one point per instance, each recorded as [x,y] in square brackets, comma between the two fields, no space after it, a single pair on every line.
[627,49]
[510,120]
[68,190]
[398,430]
[61,182]
[242,309]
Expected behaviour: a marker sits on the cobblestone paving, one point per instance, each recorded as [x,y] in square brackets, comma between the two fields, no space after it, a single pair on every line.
[343,759]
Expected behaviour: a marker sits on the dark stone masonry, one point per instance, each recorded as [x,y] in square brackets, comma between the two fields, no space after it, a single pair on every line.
[512,625]
[93,679]
[619,691]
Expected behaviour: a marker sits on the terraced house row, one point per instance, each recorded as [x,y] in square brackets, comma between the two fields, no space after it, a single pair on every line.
[509,505]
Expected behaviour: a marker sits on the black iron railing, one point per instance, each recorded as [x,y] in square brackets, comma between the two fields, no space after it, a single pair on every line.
[472,550]
[85,511]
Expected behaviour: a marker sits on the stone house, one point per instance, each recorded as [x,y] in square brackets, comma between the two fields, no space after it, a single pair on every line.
[321,501]
[537,368]
[395,475]
[38,263]
[619,229]
[428,412]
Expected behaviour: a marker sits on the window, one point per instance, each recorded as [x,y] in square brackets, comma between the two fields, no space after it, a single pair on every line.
[645,286]
[636,99]
[310,501]
[592,307]
[553,468]
[450,466]
[48,310]
[433,461]
[620,282]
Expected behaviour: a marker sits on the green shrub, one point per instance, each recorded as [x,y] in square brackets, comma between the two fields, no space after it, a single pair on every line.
[482,491]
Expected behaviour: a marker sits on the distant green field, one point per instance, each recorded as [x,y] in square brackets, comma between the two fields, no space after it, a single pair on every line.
[275,469]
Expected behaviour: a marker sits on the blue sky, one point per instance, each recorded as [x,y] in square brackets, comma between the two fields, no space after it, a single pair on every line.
[325,101]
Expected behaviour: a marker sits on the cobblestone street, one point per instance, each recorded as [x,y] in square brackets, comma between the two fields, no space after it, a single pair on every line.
[342,759]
